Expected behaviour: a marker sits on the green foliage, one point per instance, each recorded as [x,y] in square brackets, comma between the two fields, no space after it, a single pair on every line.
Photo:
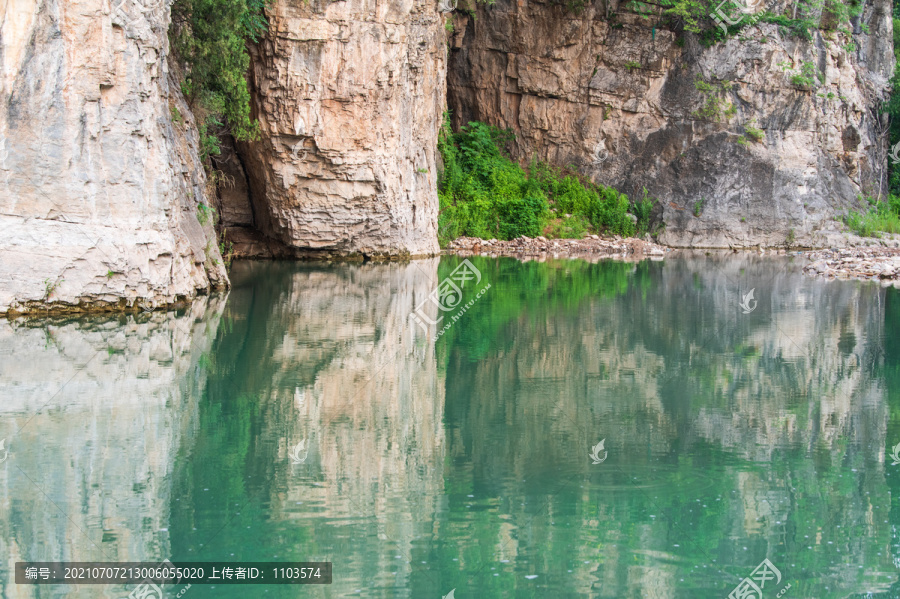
[573,227]
[50,287]
[790,239]
[641,8]
[715,107]
[698,207]
[801,28]
[689,13]
[209,141]
[807,76]
[176,115]
[642,210]
[206,214]
[756,134]
[604,208]
[632,64]
[892,108]
[881,217]
[483,193]
[209,38]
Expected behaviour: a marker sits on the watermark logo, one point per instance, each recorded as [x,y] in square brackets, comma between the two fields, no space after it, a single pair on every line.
[150,590]
[299,452]
[895,153]
[447,6]
[448,295]
[894,456]
[296,149]
[595,452]
[146,590]
[450,594]
[601,154]
[752,586]
[4,453]
[745,302]
[738,10]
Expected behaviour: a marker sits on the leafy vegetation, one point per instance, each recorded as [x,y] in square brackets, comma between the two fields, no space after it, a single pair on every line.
[715,107]
[484,193]
[881,217]
[805,17]
[209,39]
[753,132]
[807,76]
[892,107]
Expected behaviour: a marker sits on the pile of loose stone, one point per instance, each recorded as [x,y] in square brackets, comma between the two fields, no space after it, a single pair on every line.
[541,246]
[875,263]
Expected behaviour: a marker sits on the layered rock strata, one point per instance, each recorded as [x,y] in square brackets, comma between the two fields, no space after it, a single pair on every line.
[100,178]
[349,97]
[756,141]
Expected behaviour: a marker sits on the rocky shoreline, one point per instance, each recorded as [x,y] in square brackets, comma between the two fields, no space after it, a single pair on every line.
[591,247]
[866,263]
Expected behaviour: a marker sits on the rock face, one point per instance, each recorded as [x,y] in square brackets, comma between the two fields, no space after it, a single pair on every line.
[619,99]
[99,174]
[349,97]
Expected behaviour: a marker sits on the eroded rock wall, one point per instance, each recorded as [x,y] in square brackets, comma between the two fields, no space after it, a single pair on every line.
[617,99]
[349,97]
[99,173]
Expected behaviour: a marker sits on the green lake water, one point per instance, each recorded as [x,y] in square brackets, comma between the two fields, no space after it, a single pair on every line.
[305,416]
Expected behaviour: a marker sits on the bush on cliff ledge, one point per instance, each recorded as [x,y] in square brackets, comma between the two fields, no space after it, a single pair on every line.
[209,38]
[483,193]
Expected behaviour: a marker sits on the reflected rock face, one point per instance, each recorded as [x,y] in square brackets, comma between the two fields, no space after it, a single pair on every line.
[93,413]
[310,418]
[346,368]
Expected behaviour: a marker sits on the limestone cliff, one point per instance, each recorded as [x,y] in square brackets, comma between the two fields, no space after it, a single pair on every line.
[619,99]
[100,178]
[349,97]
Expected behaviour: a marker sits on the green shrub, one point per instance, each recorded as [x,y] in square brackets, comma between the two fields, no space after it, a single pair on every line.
[756,134]
[483,193]
[573,227]
[209,38]
[881,217]
[714,107]
[642,210]
[605,209]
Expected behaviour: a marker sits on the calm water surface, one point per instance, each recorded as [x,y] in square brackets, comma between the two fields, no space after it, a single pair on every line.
[304,416]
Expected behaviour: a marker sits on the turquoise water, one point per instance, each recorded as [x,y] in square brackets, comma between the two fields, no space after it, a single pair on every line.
[306,416]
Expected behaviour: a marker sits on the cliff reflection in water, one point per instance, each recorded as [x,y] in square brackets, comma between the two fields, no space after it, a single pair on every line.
[321,424]
[93,411]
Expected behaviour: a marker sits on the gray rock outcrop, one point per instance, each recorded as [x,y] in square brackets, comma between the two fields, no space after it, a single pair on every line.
[753,154]
[100,178]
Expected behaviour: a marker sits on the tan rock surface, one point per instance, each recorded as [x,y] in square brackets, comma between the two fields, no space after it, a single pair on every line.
[98,186]
[349,97]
